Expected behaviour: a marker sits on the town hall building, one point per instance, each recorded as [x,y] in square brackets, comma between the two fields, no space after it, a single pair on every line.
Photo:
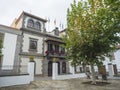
[40,45]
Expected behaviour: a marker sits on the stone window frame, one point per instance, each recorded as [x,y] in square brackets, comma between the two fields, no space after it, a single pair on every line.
[33,41]
[30,23]
[38,25]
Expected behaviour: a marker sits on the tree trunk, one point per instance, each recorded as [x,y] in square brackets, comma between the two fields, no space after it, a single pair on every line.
[84,68]
[93,74]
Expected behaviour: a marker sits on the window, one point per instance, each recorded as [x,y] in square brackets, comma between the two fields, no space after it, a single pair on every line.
[51,47]
[57,48]
[33,44]
[62,49]
[30,23]
[38,26]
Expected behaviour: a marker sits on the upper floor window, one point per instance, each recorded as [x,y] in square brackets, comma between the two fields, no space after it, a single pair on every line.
[30,23]
[33,44]
[38,25]
[50,47]
[57,48]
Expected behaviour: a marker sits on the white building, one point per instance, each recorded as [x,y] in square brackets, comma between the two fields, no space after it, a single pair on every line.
[9,59]
[37,43]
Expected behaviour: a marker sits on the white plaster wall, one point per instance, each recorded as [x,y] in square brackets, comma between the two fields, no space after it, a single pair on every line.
[24,63]
[78,68]
[62,34]
[19,24]
[117,59]
[38,68]
[9,47]
[106,62]
[26,42]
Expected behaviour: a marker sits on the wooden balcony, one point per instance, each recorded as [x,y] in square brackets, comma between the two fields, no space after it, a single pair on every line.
[59,54]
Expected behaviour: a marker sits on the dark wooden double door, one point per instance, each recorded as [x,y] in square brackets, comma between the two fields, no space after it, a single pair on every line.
[63,68]
[50,68]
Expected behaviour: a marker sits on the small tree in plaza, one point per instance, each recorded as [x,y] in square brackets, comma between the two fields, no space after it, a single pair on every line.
[92,32]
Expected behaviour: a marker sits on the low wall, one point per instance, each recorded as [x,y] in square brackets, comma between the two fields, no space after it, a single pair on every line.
[18,79]
[14,80]
[55,75]
[70,76]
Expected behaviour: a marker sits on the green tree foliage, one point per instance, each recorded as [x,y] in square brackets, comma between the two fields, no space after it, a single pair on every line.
[92,32]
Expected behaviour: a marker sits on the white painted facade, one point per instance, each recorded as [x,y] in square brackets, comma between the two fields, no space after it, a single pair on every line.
[25,48]
[9,48]
[24,63]
[117,59]
[38,65]
[113,62]
[26,42]
[106,63]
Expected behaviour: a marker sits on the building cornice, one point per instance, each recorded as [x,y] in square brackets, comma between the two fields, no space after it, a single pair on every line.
[31,54]
[31,15]
[32,31]
[8,29]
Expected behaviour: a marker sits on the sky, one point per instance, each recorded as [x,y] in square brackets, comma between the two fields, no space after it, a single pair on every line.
[54,10]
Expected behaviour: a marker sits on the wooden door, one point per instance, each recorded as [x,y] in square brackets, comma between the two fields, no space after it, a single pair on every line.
[115,69]
[50,68]
[58,67]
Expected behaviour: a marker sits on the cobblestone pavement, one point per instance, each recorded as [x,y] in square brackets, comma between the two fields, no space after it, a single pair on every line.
[72,84]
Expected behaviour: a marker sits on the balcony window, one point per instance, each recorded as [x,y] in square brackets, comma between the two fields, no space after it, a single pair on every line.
[62,50]
[33,44]
[50,47]
[57,48]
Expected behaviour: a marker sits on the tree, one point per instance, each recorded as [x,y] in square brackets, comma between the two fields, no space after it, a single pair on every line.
[92,32]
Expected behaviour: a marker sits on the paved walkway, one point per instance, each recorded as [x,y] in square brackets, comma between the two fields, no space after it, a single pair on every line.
[72,84]
[42,78]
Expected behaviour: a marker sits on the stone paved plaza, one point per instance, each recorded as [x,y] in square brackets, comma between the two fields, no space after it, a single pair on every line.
[72,84]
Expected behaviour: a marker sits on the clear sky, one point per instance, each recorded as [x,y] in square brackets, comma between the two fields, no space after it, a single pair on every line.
[52,9]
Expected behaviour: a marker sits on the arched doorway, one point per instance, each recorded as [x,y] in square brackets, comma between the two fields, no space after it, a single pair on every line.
[50,68]
[63,67]
[58,67]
